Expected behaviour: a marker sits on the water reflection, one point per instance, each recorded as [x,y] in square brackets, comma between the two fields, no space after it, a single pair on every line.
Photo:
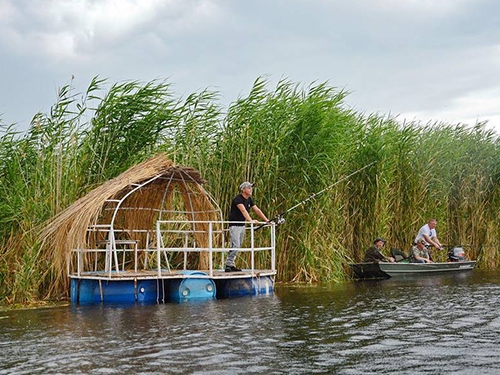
[433,325]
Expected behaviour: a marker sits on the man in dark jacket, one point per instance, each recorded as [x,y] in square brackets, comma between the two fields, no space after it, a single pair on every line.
[373,253]
[241,206]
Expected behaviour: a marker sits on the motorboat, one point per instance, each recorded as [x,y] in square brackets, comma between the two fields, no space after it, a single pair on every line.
[384,270]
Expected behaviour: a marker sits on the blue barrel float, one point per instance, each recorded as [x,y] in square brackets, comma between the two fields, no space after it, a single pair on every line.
[195,286]
[249,286]
[88,291]
[192,287]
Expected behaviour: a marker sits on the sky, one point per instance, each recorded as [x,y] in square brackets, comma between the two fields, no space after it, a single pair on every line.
[416,60]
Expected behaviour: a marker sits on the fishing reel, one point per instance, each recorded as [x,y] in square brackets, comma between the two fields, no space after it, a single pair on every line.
[280,220]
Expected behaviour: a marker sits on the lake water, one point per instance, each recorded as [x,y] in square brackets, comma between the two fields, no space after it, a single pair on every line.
[436,325]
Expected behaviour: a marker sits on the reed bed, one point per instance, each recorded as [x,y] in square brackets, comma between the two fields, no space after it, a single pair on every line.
[291,140]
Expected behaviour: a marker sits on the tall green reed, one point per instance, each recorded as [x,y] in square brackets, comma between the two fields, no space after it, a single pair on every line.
[291,140]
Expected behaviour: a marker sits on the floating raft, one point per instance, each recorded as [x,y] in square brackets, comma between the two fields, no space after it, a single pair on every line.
[174,286]
[121,271]
[153,234]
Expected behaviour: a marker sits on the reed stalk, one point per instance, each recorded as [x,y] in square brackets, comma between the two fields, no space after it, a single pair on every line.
[291,140]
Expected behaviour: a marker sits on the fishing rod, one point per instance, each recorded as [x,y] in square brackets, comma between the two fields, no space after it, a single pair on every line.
[278,219]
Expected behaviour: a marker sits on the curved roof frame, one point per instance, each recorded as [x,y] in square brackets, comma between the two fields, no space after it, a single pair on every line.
[132,191]
[138,186]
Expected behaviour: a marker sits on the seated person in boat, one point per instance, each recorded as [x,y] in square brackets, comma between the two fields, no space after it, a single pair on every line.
[420,253]
[373,253]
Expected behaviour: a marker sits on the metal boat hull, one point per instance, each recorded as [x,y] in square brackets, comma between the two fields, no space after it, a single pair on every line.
[386,270]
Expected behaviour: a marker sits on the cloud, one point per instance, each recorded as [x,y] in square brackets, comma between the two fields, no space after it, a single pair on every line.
[467,109]
[401,57]
[71,30]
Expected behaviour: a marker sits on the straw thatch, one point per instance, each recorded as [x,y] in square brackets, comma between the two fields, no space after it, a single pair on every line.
[146,192]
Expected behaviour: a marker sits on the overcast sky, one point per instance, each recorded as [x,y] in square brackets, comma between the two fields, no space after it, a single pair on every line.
[417,59]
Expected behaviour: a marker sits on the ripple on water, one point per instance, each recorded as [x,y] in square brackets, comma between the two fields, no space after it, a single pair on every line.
[407,327]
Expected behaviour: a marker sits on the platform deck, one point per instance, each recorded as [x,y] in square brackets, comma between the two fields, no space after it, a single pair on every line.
[173,274]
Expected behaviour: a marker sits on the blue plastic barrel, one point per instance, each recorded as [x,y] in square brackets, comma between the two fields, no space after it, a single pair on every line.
[85,291]
[248,286]
[73,291]
[148,291]
[191,288]
[263,285]
[118,291]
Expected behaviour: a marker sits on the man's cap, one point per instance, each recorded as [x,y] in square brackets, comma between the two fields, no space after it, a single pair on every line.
[379,239]
[245,185]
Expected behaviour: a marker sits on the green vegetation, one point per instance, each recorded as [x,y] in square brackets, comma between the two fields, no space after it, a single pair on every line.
[291,141]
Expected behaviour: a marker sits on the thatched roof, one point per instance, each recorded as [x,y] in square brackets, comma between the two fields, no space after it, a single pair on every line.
[135,200]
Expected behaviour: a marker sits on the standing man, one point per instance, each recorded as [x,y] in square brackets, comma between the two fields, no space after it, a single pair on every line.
[240,208]
[428,233]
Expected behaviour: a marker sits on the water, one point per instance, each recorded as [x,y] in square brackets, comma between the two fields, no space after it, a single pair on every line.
[436,325]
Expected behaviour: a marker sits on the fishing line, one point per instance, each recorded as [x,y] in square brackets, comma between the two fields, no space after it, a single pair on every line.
[279,219]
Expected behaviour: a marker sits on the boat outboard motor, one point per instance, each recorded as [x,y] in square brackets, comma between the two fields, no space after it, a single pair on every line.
[457,254]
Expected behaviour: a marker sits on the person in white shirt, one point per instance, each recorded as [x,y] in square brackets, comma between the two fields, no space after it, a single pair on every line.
[428,233]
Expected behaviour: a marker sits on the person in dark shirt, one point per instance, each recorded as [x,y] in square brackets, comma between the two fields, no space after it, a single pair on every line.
[241,206]
[373,253]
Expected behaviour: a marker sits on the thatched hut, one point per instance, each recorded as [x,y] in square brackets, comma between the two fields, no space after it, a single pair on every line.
[131,205]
